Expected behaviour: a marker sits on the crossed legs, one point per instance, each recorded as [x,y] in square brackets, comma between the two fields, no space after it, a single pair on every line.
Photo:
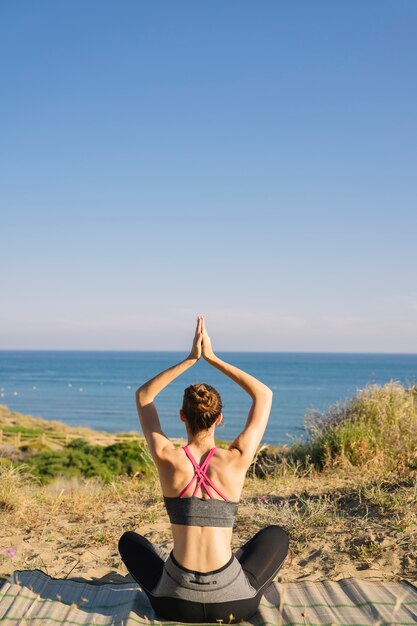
[261,558]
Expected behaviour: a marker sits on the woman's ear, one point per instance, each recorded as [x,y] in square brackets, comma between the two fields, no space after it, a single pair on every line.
[182,416]
[219,419]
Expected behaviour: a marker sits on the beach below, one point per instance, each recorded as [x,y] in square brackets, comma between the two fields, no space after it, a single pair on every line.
[342,520]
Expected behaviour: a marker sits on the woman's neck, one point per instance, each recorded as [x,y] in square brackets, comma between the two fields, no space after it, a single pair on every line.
[202,441]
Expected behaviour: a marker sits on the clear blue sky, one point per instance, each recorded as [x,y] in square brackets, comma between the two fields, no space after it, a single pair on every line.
[252,161]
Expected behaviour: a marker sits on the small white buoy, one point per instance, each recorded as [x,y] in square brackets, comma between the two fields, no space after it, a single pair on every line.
[129,387]
[81,389]
[15,393]
[2,395]
[34,387]
[69,385]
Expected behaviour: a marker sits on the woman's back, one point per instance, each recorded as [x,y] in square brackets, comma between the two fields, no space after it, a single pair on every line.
[202,547]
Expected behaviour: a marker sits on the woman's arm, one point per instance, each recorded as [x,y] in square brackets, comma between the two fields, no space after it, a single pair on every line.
[248,440]
[149,390]
[157,441]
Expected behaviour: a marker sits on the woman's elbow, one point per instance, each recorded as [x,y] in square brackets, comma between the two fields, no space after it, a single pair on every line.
[265,393]
[142,396]
[268,392]
[139,395]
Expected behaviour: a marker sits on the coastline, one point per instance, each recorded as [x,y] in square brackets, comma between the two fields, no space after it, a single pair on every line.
[97,389]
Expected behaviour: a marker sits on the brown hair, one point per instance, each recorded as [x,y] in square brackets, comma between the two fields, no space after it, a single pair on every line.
[201,405]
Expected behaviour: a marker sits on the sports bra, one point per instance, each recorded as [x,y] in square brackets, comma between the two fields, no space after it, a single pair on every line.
[194,511]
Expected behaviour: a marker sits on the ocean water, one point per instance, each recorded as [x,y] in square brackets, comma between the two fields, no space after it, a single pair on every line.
[96,389]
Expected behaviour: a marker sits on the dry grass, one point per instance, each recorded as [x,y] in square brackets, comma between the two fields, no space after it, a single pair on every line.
[15,488]
[337,527]
[347,512]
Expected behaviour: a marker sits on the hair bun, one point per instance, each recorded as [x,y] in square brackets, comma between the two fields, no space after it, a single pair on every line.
[206,400]
[202,405]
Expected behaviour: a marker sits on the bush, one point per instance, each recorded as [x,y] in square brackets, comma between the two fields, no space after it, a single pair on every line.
[80,458]
[377,427]
[376,430]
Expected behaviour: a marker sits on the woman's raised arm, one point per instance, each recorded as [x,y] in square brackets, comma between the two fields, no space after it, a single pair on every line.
[145,395]
[248,440]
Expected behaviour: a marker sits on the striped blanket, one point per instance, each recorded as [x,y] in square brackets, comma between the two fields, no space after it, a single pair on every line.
[32,598]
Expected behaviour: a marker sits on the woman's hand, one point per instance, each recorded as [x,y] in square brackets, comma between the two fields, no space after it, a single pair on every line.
[196,349]
[206,343]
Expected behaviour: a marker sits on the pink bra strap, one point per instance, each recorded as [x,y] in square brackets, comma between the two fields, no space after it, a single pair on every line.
[198,470]
[200,475]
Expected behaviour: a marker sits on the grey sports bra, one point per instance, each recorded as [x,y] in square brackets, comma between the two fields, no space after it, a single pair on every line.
[194,511]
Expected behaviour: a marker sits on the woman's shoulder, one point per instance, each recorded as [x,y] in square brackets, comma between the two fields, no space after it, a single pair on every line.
[178,459]
[229,455]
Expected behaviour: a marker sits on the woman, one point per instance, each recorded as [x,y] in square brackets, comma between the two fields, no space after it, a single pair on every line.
[202,580]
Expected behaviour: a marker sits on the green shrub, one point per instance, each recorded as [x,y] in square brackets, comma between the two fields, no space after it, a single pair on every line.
[378,426]
[80,458]
[376,429]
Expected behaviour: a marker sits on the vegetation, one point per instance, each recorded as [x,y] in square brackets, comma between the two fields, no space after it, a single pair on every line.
[378,427]
[15,485]
[376,431]
[80,458]
[23,430]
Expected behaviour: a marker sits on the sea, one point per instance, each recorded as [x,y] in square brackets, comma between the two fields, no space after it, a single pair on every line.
[97,389]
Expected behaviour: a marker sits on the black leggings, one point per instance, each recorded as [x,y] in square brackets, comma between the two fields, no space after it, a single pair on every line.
[260,558]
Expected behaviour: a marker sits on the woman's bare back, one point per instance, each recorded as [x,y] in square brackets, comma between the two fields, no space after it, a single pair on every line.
[202,548]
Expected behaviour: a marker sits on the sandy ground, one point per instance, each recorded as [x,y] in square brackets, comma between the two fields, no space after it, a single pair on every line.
[340,524]
[82,542]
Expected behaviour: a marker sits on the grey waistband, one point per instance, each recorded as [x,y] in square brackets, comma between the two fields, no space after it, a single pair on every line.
[228,583]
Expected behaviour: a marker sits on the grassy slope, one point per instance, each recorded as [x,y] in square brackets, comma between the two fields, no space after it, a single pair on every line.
[12,419]
[348,499]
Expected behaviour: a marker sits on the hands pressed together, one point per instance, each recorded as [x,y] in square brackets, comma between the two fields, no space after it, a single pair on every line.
[201,343]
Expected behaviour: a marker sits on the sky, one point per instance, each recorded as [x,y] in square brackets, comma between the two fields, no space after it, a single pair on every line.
[252,162]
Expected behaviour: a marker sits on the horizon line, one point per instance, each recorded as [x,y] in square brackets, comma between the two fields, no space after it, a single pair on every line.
[115,350]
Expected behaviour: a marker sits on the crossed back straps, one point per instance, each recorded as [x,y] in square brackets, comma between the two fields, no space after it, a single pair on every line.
[200,475]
